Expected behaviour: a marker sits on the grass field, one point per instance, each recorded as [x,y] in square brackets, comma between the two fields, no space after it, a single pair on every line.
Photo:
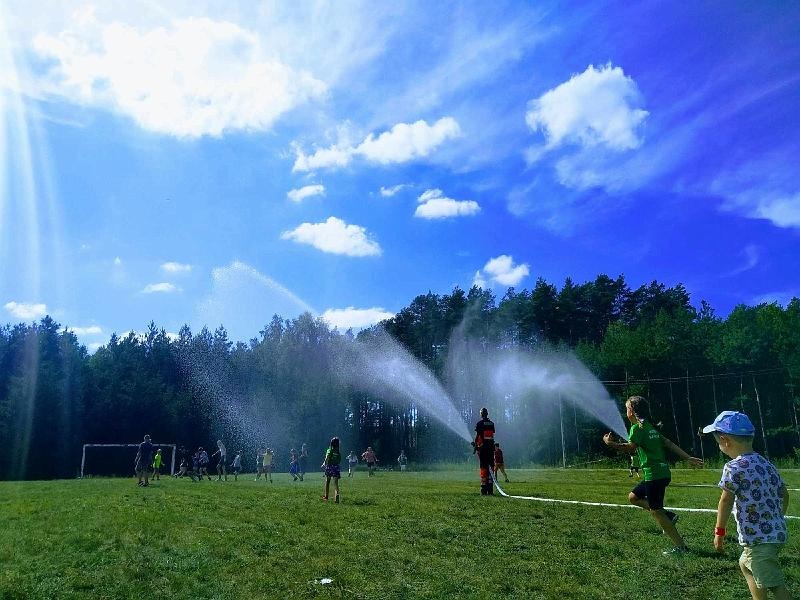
[409,535]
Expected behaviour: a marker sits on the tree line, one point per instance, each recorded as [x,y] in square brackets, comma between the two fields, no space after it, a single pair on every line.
[281,387]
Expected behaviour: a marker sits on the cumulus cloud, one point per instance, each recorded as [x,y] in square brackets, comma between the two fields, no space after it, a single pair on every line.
[433,204]
[402,143]
[598,107]
[334,236]
[191,78]
[26,312]
[160,288]
[304,192]
[355,318]
[391,191]
[176,268]
[501,270]
[84,331]
[244,300]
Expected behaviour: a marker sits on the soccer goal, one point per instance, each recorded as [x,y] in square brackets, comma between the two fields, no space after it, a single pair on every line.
[118,459]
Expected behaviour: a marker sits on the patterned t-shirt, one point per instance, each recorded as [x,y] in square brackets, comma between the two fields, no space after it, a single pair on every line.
[758,508]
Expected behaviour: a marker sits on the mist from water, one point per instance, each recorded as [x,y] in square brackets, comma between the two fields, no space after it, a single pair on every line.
[384,368]
[513,379]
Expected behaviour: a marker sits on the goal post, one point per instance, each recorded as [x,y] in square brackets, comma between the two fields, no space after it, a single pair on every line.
[85,446]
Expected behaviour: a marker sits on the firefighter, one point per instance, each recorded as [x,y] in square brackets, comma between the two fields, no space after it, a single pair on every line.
[484,446]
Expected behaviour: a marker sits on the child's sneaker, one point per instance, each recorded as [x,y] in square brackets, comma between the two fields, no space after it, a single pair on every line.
[676,551]
[325,498]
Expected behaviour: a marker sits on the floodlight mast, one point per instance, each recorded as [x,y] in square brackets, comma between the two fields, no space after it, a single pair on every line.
[83,457]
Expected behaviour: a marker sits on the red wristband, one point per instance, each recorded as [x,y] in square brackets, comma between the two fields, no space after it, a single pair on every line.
[719,531]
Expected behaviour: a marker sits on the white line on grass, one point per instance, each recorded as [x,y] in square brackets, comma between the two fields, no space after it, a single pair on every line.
[585,503]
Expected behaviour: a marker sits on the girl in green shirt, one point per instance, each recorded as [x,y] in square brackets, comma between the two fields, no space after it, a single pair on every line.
[331,464]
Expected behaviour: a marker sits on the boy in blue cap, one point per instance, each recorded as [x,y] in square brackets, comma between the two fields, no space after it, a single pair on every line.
[751,484]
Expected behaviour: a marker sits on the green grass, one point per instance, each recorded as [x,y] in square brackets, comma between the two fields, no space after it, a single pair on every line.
[410,535]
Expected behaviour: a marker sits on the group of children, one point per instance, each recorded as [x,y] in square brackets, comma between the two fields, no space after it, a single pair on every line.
[751,487]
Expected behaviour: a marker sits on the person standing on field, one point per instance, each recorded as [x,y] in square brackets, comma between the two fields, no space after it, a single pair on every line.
[484,446]
[236,465]
[352,461]
[331,463]
[144,458]
[753,487]
[157,465]
[499,464]
[302,461]
[402,460]
[223,455]
[650,445]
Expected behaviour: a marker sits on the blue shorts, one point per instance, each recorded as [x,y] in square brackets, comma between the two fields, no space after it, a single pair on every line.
[333,471]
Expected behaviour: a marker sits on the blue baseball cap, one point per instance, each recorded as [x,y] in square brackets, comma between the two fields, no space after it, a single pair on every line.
[731,422]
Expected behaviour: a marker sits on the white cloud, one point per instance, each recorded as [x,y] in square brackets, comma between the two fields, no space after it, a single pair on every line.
[391,191]
[402,143]
[94,347]
[84,331]
[26,312]
[765,188]
[190,78]
[117,261]
[176,268]
[501,270]
[335,237]
[751,254]
[244,301]
[434,205]
[163,288]
[355,318]
[307,191]
[598,107]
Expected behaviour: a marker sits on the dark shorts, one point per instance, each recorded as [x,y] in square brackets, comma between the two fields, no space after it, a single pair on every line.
[333,471]
[653,492]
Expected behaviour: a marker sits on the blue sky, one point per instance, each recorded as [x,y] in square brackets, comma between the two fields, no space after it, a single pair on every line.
[188,162]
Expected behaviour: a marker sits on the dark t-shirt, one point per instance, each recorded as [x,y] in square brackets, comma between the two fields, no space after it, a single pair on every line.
[146,453]
[485,431]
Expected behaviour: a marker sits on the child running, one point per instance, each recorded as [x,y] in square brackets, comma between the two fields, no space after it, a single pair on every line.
[649,444]
[333,459]
[352,461]
[370,458]
[752,485]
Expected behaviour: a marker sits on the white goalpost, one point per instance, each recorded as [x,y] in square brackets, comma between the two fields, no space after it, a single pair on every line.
[85,446]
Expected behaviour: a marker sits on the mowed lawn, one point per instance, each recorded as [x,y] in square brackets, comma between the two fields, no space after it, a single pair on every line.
[409,535]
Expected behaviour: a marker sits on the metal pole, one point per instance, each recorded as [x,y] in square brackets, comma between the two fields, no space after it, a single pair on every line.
[563,448]
[172,466]
[761,418]
[689,402]
[83,460]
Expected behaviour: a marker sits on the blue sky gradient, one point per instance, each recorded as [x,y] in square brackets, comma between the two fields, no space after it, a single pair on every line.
[189,163]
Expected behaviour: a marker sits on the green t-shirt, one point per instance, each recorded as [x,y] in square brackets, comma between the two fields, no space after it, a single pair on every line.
[650,448]
[332,457]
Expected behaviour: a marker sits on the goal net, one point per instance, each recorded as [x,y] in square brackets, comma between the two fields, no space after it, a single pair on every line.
[117,460]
